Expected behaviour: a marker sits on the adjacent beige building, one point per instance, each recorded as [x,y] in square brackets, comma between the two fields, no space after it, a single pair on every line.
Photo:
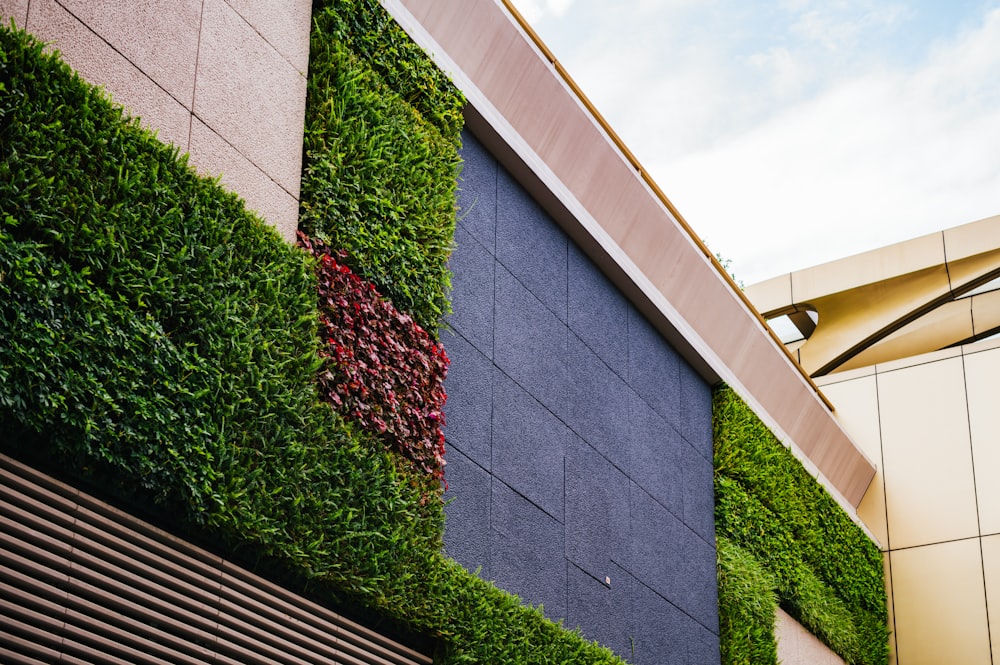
[900,340]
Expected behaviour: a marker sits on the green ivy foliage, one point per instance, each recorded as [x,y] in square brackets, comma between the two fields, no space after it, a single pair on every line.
[158,339]
[828,573]
[379,179]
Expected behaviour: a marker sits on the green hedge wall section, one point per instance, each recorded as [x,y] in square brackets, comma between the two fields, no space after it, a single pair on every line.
[379,178]
[157,336]
[368,31]
[828,573]
[159,340]
[747,605]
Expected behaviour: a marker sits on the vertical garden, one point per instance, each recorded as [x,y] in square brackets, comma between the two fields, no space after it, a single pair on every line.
[160,342]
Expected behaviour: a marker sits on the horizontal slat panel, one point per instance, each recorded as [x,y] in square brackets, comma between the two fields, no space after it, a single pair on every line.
[83,582]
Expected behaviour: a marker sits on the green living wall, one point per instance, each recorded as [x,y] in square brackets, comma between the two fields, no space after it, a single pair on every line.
[784,541]
[159,341]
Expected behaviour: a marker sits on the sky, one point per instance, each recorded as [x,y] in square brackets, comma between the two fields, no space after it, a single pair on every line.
[794,132]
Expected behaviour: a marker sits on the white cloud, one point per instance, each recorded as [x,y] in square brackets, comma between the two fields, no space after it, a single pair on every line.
[873,160]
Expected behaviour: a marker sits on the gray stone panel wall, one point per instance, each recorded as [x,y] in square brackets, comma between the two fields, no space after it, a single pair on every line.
[579,442]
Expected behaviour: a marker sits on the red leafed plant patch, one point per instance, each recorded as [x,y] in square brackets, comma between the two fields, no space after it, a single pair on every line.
[380,368]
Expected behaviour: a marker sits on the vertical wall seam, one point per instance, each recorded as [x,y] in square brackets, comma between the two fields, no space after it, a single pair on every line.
[975,493]
[885,510]
[194,84]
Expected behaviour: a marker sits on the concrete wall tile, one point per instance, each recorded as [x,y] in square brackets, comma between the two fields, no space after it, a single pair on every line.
[477,192]
[530,245]
[672,560]
[530,342]
[526,552]
[695,419]
[602,612]
[251,96]
[213,156]
[597,402]
[991,570]
[467,536]
[940,604]
[856,402]
[981,372]
[927,454]
[653,367]
[285,26]
[472,285]
[160,37]
[699,493]
[659,629]
[529,446]
[16,10]
[655,459]
[100,64]
[598,313]
[597,512]
[703,645]
[469,408]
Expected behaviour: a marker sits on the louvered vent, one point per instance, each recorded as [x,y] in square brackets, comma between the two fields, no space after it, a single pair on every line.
[83,582]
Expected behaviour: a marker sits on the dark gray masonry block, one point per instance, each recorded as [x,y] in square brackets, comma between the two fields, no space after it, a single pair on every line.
[656,456]
[526,552]
[530,245]
[472,284]
[703,645]
[653,367]
[529,446]
[696,410]
[468,410]
[661,547]
[477,192]
[597,512]
[699,493]
[659,629]
[467,513]
[597,402]
[601,611]
[530,342]
[698,593]
[598,313]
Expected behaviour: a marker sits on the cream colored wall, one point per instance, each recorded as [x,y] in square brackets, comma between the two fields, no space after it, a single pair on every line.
[933,425]
[223,80]
[797,646]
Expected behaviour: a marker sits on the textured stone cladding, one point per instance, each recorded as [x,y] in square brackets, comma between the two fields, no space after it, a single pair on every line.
[579,442]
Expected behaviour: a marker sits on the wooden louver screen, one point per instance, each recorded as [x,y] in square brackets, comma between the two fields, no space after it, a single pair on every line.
[83,582]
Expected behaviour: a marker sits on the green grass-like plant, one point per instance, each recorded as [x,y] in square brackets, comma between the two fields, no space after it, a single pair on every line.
[747,605]
[828,573]
[379,179]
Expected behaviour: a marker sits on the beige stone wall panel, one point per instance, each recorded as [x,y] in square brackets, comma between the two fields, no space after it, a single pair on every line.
[283,23]
[16,10]
[251,96]
[159,37]
[929,482]
[940,604]
[797,646]
[100,63]
[214,157]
